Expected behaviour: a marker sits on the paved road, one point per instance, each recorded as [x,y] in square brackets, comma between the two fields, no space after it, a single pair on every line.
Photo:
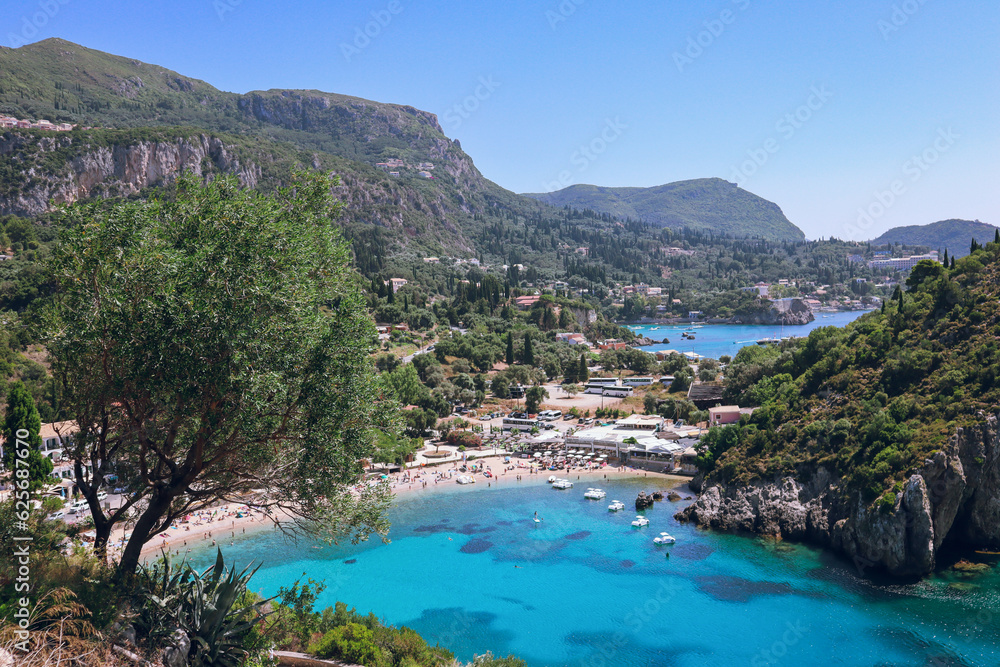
[424,350]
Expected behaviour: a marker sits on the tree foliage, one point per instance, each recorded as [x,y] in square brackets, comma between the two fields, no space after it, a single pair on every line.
[215,347]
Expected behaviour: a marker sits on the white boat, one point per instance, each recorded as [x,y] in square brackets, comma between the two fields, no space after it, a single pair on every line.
[465,479]
[562,484]
[552,478]
[595,494]
[616,505]
[664,538]
[640,521]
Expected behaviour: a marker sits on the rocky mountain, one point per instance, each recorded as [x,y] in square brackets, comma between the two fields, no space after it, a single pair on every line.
[148,122]
[955,236]
[704,203]
[880,440]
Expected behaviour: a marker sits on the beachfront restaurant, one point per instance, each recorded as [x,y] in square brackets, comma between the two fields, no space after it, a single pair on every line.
[610,438]
[656,451]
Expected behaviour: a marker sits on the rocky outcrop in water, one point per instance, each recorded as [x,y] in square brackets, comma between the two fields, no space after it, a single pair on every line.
[782,312]
[953,499]
[643,501]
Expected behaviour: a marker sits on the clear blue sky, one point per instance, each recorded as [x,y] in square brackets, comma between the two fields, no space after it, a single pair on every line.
[623,79]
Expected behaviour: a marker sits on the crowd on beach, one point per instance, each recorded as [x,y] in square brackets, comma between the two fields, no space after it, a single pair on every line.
[211,525]
[422,477]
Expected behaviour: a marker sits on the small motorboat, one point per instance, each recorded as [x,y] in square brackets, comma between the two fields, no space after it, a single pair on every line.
[664,538]
[552,478]
[640,521]
[595,494]
[616,506]
[465,479]
[562,484]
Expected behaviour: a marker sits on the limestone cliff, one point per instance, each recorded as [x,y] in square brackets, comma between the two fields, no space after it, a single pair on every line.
[953,499]
[116,170]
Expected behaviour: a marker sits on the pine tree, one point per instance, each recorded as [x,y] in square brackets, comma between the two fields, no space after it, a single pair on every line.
[509,357]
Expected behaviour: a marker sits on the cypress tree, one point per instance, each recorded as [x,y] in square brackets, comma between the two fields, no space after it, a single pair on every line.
[22,415]
[509,357]
[996,236]
[946,256]
[583,374]
[527,355]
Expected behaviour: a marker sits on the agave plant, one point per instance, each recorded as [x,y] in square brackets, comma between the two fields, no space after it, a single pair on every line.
[201,605]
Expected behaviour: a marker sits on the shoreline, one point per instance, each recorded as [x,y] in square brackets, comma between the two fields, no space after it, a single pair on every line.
[429,479]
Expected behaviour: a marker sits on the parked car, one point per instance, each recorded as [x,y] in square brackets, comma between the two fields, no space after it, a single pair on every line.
[78,506]
[59,514]
[102,495]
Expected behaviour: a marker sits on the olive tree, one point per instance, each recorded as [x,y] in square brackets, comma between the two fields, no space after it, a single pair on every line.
[214,346]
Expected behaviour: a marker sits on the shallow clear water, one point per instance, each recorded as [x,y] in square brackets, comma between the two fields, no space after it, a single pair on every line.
[467,567]
[715,340]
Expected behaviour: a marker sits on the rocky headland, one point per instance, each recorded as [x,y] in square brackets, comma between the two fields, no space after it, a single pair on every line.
[953,499]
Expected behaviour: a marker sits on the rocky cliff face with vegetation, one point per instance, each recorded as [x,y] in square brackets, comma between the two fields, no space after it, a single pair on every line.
[879,440]
[120,169]
[951,500]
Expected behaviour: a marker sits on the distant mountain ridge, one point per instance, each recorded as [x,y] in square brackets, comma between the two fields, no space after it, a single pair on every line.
[955,235]
[704,203]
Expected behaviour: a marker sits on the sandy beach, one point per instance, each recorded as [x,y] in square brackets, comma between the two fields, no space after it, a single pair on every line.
[222,524]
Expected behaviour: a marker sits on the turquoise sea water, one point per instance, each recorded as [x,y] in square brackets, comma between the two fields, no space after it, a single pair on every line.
[467,567]
[715,340]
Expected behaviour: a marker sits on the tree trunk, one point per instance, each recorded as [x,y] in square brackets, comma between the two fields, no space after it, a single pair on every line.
[159,503]
[102,530]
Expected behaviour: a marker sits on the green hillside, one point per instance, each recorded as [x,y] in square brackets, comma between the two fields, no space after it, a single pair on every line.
[62,81]
[955,236]
[873,400]
[704,203]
